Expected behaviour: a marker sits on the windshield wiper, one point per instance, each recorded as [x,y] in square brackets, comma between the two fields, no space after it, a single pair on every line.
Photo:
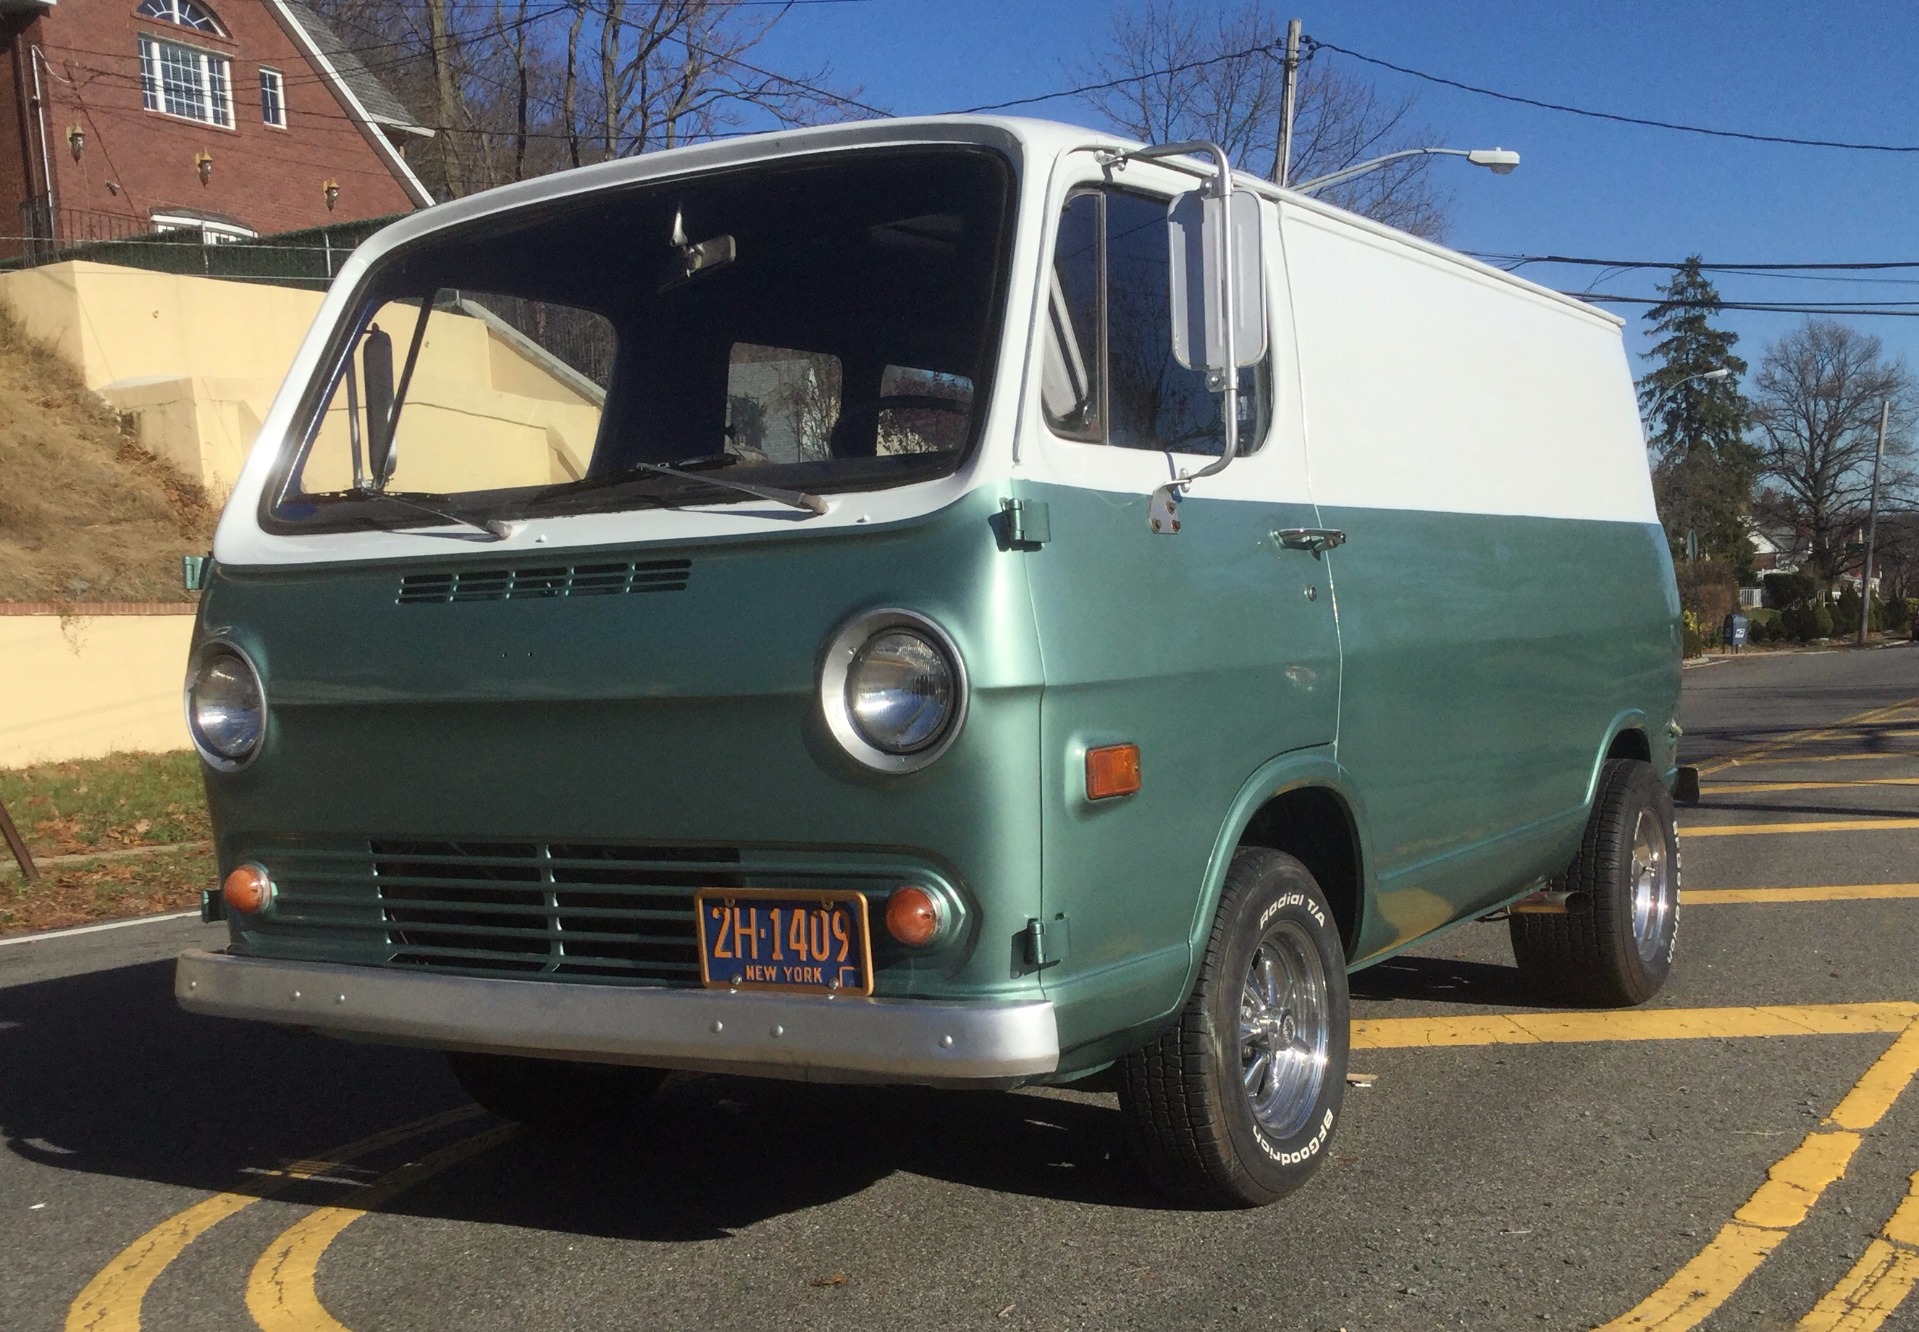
[493,528]
[793,499]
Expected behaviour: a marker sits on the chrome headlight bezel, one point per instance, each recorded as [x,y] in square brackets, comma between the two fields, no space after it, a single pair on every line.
[835,673]
[203,656]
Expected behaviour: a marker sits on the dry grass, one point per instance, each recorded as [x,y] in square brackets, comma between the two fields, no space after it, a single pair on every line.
[107,804]
[85,513]
[113,805]
[94,890]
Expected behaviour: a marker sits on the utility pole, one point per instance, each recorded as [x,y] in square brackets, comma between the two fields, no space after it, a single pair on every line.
[1872,524]
[1289,94]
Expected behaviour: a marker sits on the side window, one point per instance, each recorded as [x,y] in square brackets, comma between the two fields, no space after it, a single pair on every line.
[922,411]
[1110,376]
[1071,384]
[781,404]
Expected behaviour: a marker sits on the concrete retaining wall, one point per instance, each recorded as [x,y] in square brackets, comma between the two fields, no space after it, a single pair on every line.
[83,681]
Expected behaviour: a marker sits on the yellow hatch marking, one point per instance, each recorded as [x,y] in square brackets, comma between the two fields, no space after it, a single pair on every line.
[1818,758]
[280,1290]
[1792,1187]
[1843,892]
[1632,1024]
[1879,1282]
[1826,825]
[111,1301]
[1753,788]
[1795,738]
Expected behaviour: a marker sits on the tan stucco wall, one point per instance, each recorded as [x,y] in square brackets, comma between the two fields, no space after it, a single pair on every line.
[199,360]
[80,687]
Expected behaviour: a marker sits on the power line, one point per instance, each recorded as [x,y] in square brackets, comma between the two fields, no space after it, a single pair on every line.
[1614,116]
[1266,48]
[1860,308]
[1859,266]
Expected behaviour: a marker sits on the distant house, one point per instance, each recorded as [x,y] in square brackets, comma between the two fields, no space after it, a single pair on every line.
[229,118]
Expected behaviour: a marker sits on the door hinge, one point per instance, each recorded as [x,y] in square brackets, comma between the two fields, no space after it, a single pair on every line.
[1024,524]
[1048,941]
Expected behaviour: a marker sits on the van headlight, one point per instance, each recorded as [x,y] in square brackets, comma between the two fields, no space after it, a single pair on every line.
[226,708]
[893,690]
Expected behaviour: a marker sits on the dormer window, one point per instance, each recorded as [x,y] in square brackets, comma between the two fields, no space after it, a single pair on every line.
[185,13]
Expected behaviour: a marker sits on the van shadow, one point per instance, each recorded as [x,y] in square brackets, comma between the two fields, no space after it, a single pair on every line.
[104,1075]
[1442,980]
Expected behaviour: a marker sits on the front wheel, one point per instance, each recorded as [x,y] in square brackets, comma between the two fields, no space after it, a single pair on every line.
[1235,1104]
[1613,945]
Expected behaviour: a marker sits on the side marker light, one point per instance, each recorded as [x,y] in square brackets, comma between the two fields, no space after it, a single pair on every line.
[1112,770]
[913,916]
[248,889]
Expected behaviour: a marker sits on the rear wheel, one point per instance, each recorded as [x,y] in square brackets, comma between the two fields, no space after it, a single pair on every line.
[1613,945]
[1235,1104]
[553,1094]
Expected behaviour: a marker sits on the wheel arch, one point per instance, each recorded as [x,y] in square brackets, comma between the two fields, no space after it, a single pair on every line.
[1304,805]
[1628,736]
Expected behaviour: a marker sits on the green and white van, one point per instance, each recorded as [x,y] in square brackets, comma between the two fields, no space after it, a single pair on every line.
[787,606]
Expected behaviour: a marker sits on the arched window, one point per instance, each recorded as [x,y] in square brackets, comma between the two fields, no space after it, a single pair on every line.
[183,12]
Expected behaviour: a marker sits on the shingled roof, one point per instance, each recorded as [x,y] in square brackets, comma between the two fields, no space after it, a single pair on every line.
[381,106]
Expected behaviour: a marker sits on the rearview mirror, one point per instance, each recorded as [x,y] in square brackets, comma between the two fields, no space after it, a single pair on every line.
[1215,250]
[378,355]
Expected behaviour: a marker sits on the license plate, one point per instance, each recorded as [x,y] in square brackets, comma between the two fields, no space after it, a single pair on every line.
[784,939]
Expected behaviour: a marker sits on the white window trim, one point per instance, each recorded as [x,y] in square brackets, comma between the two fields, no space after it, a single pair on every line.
[279,96]
[173,16]
[211,233]
[152,87]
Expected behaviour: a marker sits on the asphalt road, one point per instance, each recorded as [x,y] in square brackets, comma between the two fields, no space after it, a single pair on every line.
[1734,1156]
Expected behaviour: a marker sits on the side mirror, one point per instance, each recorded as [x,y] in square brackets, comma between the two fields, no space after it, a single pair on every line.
[1215,250]
[378,355]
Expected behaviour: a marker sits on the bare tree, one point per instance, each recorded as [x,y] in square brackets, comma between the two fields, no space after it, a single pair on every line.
[1189,75]
[517,90]
[1816,405]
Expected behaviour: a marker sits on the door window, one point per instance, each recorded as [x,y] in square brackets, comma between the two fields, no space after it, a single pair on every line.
[1109,375]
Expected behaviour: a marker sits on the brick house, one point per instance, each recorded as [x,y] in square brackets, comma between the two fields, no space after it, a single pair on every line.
[226,117]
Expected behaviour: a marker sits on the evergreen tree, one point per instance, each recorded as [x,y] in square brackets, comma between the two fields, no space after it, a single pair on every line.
[1703,468]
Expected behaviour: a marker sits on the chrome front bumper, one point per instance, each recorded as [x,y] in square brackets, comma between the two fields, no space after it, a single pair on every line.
[769,1035]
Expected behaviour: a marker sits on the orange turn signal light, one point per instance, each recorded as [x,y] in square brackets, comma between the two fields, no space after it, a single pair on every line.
[1112,770]
[247,889]
[912,916]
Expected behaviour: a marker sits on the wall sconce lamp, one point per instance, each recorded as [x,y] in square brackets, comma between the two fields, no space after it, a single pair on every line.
[76,141]
[331,190]
[203,162]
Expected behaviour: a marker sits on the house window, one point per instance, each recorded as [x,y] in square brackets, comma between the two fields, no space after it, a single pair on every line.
[183,12]
[273,101]
[186,81]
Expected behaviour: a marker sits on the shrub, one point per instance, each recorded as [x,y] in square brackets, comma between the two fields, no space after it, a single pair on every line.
[1695,645]
[1800,624]
[1758,632]
[1822,622]
[1899,613]
[1786,590]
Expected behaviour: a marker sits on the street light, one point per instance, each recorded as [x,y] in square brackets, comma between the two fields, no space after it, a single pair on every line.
[1667,390]
[1499,161]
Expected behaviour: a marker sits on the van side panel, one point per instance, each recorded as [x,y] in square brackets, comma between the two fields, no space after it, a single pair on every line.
[1505,591]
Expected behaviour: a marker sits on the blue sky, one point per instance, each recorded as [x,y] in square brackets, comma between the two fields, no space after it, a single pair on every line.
[1829,71]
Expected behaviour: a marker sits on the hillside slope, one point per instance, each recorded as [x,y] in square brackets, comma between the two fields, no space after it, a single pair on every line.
[85,513]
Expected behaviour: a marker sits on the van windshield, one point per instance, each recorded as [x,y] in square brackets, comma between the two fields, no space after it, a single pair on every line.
[824,326]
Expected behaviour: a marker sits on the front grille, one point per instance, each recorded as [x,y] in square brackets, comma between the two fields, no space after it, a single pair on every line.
[546,580]
[547,908]
[597,912]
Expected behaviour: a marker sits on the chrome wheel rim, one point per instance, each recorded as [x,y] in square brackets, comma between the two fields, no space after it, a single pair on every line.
[1652,895]
[1284,1031]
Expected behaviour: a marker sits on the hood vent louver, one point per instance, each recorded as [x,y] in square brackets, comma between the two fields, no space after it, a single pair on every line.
[545,580]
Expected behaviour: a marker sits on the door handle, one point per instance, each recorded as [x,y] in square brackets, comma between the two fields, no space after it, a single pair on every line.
[1315,539]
